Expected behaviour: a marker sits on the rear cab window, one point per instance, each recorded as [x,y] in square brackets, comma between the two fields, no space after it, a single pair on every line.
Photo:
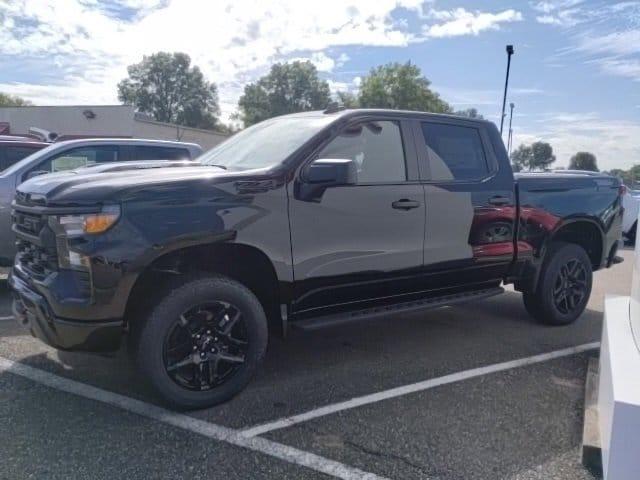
[455,152]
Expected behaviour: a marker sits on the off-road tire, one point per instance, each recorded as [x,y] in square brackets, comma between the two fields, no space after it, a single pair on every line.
[541,303]
[180,295]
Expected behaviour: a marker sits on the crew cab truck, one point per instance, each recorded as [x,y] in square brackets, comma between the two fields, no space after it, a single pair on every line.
[302,220]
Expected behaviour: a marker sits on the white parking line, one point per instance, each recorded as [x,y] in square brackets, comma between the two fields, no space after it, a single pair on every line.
[185,422]
[10,317]
[414,387]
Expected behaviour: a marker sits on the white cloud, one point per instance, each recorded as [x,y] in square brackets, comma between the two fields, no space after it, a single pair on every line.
[463,22]
[609,36]
[84,46]
[548,7]
[614,142]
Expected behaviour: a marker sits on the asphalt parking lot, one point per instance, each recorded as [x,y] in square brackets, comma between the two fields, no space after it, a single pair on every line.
[477,391]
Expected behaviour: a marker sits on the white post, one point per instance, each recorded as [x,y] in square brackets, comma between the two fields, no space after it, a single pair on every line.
[619,384]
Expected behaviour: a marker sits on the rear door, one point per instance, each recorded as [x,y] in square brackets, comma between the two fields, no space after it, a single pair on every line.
[365,241]
[471,205]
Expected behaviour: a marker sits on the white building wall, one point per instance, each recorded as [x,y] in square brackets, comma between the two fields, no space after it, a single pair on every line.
[166,131]
[109,120]
[114,120]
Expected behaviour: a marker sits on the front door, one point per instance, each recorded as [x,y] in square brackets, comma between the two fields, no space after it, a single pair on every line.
[362,241]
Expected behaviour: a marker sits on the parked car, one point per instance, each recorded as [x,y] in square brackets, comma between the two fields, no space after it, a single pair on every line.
[72,154]
[14,149]
[304,220]
[631,204]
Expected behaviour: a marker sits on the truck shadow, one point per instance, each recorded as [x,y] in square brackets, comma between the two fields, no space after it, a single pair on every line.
[312,369]
[355,359]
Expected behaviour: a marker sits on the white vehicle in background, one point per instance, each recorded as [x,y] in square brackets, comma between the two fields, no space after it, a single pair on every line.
[631,204]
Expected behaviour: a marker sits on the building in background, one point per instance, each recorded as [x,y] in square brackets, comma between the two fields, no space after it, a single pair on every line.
[77,121]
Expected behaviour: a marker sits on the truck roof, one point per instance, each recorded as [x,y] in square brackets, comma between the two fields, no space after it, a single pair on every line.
[347,112]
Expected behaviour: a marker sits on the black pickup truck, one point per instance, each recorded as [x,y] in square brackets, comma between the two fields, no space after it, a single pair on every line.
[303,220]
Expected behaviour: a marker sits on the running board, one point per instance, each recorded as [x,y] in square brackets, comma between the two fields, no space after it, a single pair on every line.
[316,323]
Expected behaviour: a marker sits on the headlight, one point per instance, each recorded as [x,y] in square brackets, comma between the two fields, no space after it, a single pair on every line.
[100,222]
[66,227]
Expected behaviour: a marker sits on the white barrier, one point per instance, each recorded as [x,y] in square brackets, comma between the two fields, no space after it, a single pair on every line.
[619,384]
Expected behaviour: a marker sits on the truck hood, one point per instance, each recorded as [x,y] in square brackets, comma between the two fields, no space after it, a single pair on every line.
[88,187]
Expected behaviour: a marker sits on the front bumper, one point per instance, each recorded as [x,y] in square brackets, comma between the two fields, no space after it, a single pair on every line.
[33,312]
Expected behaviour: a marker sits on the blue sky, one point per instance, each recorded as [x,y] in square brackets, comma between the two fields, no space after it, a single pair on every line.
[575,75]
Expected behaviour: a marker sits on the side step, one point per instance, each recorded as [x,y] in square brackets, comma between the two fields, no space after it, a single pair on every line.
[316,323]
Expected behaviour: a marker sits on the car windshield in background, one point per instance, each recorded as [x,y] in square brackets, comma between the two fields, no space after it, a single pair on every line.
[265,144]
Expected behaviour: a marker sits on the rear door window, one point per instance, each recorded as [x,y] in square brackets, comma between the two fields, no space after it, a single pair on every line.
[147,152]
[455,152]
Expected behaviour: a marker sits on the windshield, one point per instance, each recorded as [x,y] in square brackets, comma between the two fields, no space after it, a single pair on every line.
[265,144]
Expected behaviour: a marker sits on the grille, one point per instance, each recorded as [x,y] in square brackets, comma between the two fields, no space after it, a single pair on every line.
[38,258]
[37,261]
[28,223]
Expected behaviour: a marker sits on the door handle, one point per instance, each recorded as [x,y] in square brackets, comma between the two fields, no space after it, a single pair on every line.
[405,204]
[499,200]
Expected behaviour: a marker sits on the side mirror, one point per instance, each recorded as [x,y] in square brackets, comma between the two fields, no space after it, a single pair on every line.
[324,173]
[36,173]
[332,171]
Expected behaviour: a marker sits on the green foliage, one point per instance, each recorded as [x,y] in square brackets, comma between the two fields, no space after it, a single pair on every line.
[584,161]
[166,86]
[543,156]
[630,177]
[7,100]
[522,157]
[348,99]
[469,113]
[537,156]
[287,88]
[400,86]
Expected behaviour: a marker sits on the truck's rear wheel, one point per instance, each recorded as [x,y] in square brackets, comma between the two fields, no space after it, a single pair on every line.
[202,342]
[564,286]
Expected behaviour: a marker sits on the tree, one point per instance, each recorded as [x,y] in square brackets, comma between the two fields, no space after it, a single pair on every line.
[166,86]
[470,113]
[537,156]
[584,161]
[287,88]
[347,99]
[522,158]
[400,86]
[543,155]
[7,100]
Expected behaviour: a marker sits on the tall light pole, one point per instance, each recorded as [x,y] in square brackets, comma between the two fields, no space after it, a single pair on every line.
[510,140]
[506,85]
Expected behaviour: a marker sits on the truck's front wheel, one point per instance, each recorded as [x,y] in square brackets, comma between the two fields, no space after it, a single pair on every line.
[564,285]
[202,342]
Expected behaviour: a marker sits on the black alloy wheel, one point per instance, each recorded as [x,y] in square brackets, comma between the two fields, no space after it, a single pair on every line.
[570,286]
[564,285]
[206,346]
[202,341]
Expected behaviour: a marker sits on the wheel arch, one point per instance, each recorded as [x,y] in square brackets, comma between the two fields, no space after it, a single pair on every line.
[244,263]
[583,231]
